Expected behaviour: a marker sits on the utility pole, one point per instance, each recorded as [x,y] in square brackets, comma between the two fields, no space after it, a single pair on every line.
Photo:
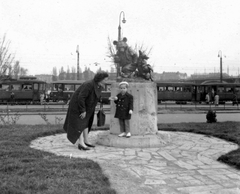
[220,55]
[78,76]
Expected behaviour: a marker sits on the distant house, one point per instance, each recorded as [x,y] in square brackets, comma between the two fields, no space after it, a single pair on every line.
[172,76]
[44,77]
[208,76]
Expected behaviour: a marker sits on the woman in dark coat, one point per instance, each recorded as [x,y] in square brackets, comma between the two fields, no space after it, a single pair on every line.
[81,110]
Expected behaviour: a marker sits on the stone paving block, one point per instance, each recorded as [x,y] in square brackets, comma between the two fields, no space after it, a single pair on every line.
[144,155]
[193,182]
[211,172]
[234,176]
[139,162]
[156,167]
[130,152]
[185,165]
[157,163]
[186,178]
[216,166]
[204,179]
[154,182]
[221,191]
[141,171]
[199,188]
[167,156]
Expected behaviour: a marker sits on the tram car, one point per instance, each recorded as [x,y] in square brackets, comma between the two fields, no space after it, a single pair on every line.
[62,90]
[183,92]
[180,92]
[22,90]
[226,91]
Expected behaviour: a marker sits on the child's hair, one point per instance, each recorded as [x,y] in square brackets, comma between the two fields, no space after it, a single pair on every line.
[121,83]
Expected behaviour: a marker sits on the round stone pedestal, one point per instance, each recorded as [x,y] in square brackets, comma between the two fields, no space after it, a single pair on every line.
[144,117]
[143,123]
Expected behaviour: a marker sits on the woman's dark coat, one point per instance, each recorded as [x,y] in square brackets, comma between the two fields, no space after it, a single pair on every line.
[84,99]
[124,103]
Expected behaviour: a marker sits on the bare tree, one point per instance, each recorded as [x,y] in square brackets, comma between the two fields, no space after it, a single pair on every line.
[23,71]
[68,74]
[73,73]
[16,70]
[6,58]
[54,74]
[111,51]
[62,74]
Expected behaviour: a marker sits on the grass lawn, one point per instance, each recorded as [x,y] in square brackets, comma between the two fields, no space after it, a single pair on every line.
[229,131]
[26,170]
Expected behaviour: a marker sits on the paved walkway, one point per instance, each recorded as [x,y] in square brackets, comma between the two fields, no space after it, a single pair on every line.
[185,164]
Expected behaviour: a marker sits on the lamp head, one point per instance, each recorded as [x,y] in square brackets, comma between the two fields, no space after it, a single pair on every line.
[220,54]
[124,21]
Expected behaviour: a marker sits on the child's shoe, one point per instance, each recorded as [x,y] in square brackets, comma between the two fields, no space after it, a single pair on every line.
[128,134]
[122,134]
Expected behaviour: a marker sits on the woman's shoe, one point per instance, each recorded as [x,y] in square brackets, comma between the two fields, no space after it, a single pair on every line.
[90,145]
[80,147]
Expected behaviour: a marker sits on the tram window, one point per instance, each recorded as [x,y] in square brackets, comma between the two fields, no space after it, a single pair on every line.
[161,88]
[35,86]
[69,87]
[27,87]
[169,88]
[60,87]
[179,89]
[237,89]
[187,89]
[55,87]
[200,89]
[77,86]
[41,87]
[220,89]
[16,87]
[229,89]
[4,87]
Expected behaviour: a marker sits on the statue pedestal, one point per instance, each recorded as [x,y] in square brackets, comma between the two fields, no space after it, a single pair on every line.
[143,123]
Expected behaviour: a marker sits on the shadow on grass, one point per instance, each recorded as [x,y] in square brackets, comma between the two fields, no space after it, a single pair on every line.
[229,131]
[26,170]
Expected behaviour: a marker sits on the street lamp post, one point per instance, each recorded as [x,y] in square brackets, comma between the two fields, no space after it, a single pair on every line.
[78,76]
[119,34]
[119,27]
[220,55]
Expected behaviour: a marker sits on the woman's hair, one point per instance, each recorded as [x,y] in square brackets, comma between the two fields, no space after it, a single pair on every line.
[100,76]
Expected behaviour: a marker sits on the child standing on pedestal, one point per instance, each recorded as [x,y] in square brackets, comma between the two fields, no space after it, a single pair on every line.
[124,109]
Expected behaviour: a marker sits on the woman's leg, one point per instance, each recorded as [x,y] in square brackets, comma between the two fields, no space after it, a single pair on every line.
[85,136]
[81,139]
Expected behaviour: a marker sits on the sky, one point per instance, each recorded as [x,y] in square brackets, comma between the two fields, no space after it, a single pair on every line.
[183,35]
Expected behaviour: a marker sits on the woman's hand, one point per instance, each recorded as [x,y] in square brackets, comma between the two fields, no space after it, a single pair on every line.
[82,115]
[130,112]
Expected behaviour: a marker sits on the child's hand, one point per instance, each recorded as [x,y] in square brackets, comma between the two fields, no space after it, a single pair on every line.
[130,112]
[113,98]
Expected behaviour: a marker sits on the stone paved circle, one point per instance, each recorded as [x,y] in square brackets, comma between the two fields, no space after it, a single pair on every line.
[187,164]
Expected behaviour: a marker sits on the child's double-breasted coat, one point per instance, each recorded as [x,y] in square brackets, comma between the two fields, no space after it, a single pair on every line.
[124,103]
